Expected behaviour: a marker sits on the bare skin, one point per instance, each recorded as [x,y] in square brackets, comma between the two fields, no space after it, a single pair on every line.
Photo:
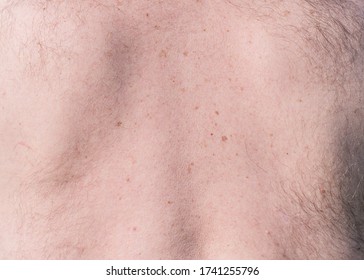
[164,130]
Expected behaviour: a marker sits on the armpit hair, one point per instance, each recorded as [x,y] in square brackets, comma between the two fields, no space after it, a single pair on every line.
[350,176]
[335,27]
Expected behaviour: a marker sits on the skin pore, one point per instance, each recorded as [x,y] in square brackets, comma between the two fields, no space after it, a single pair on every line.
[181,129]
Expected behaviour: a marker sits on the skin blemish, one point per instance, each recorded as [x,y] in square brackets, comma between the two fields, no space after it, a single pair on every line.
[119,124]
[156,27]
[286,13]
[163,53]
[147,14]
[128,179]
[322,190]
[169,202]
[224,138]
[189,168]
[23,144]
[217,113]
[211,134]
[185,53]
[197,107]
[134,228]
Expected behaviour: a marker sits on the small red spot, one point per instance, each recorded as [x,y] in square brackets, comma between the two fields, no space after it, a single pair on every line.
[322,190]
[224,138]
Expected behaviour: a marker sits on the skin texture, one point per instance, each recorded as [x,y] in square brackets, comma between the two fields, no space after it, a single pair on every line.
[178,130]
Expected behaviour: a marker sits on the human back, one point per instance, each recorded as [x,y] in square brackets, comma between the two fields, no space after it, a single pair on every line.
[170,130]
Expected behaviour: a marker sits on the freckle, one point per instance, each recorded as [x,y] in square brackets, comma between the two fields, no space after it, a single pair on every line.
[212,134]
[247,177]
[227,30]
[217,113]
[185,53]
[119,123]
[156,26]
[169,202]
[163,53]
[224,138]
[300,101]
[196,108]
[128,179]
[286,13]
[241,88]
[204,30]
[147,14]
[237,154]
[215,124]
[134,228]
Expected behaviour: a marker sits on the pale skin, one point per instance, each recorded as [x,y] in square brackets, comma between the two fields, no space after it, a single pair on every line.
[164,130]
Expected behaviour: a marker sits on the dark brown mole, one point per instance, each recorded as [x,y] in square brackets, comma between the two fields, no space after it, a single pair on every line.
[224,138]
[211,134]
[147,14]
